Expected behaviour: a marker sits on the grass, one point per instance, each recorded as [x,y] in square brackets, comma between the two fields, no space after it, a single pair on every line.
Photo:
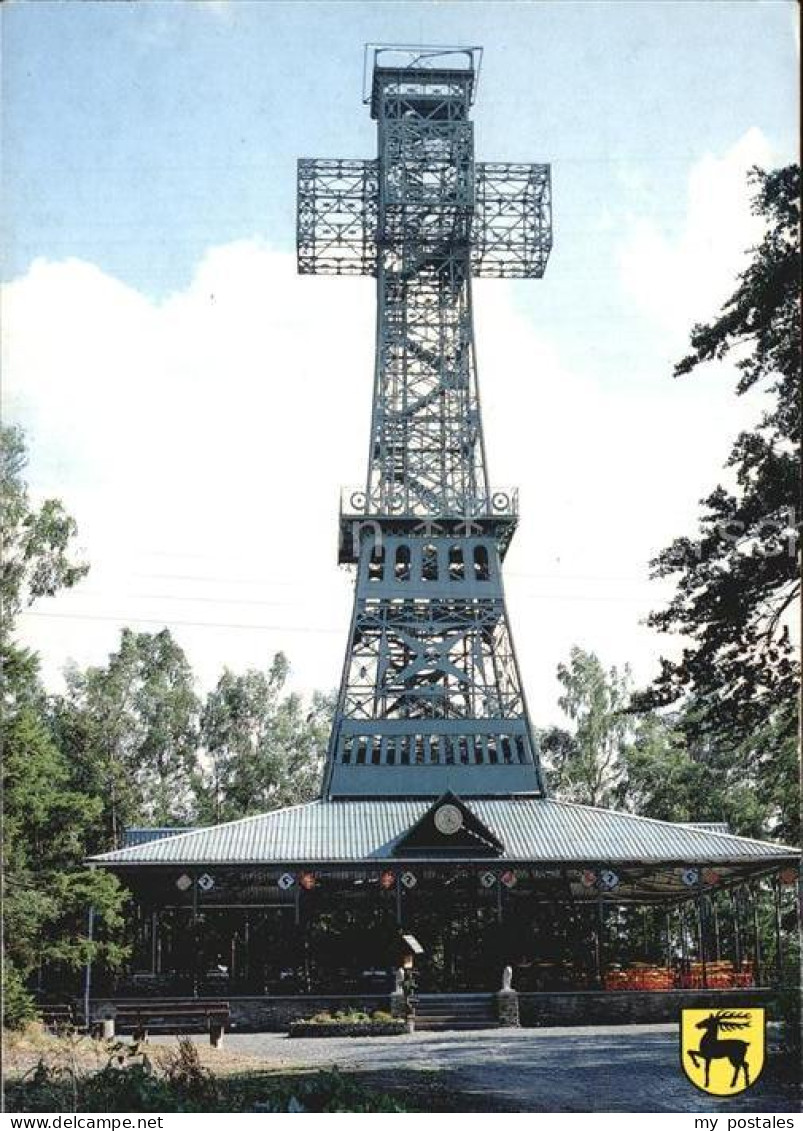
[144,1078]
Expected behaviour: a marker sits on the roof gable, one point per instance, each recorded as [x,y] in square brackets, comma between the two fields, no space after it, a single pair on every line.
[449,827]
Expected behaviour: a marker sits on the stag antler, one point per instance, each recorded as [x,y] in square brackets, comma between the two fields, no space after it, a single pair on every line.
[729,1020]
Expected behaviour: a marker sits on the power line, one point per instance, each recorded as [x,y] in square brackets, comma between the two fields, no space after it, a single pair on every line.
[124,620]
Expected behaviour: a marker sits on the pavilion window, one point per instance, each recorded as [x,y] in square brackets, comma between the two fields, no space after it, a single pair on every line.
[376,750]
[402,563]
[492,755]
[521,748]
[390,751]
[361,751]
[348,742]
[405,750]
[478,751]
[507,757]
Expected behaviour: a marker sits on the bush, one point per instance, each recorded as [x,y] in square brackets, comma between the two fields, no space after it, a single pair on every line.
[18,1005]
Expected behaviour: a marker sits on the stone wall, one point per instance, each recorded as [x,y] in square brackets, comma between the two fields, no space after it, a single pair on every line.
[274,1014]
[586,1007]
[628,1007]
[507,1009]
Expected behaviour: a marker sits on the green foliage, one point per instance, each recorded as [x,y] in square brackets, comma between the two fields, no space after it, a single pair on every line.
[265,748]
[48,825]
[658,765]
[587,766]
[37,551]
[349,1017]
[48,821]
[131,727]
[672,777]
[18,1005]
[738,580]
[184,1085]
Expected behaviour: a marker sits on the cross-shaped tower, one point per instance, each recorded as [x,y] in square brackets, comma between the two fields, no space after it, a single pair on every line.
[431,698]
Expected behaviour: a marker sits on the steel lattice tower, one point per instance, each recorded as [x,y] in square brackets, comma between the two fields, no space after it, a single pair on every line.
[431,697]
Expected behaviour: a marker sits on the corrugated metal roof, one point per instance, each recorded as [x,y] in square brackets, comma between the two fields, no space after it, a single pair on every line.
[531,829]
[134,835]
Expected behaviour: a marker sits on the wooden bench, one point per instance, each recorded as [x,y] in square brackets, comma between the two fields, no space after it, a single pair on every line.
[57,1015]
[144,1017]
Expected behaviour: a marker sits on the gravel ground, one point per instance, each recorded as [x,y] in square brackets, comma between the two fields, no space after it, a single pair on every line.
[600,1068]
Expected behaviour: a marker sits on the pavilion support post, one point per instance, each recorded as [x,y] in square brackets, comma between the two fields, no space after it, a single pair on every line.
[195,934]
[398,899]
[776,897]
[599,943]
[701,940]
[90,936]
[154,941]
[737,935]
[668,932]
[715,921]
[759,974]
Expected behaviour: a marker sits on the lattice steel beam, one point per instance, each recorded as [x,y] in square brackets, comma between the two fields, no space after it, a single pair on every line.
[508,221]
[430,682]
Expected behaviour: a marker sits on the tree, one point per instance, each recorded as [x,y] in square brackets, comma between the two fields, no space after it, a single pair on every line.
[670,778]
[587,766]
[131,727]
[264,747]
[37,544]
[47,822]
[738,579]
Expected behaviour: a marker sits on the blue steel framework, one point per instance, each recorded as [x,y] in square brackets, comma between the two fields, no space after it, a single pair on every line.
[431,697]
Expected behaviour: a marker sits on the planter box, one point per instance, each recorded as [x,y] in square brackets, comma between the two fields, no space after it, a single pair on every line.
[347,1028]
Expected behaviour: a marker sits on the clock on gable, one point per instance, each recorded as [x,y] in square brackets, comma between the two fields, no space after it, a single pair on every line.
[448,820]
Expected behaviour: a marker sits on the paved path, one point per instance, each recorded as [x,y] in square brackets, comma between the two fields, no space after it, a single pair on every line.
[604,1068]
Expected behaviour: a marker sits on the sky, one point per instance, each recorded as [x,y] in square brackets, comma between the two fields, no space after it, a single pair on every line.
[197,405]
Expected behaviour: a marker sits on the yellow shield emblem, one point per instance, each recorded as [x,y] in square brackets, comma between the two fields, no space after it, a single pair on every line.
[722,1051]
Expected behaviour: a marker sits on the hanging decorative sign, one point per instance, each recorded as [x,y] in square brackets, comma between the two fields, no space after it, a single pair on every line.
[788,876]
[608,880]
[307,880]
[588,879]
[487,879]
[690,877]
[409,880]
[286,881]
[710,876]
[206,882]
[508,879]
[183,883]
[387,880]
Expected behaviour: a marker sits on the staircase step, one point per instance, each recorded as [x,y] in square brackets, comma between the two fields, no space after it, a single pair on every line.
[443,1012]
[422,1023]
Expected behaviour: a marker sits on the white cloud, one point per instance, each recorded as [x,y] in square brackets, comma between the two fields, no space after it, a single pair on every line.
[683,278]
